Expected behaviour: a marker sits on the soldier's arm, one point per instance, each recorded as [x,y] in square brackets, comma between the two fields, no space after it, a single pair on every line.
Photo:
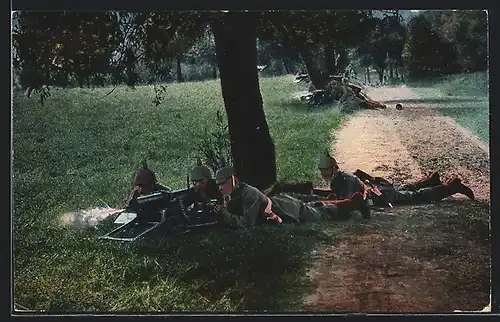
[346,185]
[190,197]
[354,185]
[251,210]
[134,193]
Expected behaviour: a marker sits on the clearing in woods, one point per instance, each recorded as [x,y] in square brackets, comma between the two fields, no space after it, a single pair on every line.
[425,258]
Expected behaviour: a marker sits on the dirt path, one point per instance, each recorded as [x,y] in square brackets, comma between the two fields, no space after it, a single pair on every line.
[423,258]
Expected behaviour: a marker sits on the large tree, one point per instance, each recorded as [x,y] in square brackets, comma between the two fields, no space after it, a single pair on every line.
[299,32]
[466,31]
[426,54]
[251,144]
[155,38]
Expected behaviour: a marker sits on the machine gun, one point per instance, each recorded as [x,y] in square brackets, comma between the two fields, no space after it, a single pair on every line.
[163,211]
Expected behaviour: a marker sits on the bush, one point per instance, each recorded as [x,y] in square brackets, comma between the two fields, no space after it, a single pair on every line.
[215,144]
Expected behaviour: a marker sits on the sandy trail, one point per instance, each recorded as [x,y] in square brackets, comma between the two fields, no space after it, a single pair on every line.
[404,145]
[407,259]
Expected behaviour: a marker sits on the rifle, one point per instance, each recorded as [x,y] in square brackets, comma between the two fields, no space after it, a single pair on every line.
[163,209]
[371,184]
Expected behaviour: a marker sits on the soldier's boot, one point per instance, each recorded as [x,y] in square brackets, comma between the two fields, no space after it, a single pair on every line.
[433,180]
[445,190]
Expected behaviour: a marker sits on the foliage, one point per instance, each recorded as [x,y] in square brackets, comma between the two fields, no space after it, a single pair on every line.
[425,53]
[446,42]
[384,45]
[215,145]
[467,32]
[318,38]
[51,46]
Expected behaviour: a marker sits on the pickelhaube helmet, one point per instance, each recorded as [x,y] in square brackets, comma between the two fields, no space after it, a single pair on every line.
[144,176]
[200,171]
[326,161]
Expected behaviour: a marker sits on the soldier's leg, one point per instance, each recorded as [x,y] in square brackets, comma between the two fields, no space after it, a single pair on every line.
[310,213]
[431,194]
[302,187]
[407,197]
[448,189]
[303,197]
[431,180]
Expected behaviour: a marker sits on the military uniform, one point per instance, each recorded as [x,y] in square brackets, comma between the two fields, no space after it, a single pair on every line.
[428,189]
[247,206]
[349,97]
[334,88]
[343,185]
[201,172]
[144,176]
[211,193]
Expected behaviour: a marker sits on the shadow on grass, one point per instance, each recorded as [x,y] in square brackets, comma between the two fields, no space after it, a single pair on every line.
[260,270]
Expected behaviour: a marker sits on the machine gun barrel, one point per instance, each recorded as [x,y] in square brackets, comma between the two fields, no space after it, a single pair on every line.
[156,200]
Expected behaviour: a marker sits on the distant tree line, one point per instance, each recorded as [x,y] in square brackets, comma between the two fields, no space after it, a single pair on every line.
[447,42]
[432,43]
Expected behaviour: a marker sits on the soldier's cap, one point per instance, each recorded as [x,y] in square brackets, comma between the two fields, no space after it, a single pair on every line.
[223,174]
[200,172]
[144,176]
[326,162]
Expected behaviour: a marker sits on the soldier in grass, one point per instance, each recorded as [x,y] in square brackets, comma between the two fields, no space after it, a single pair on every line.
[427,189]
[204,188]
[343,185]
[145,183]
[246,206]
[376,190]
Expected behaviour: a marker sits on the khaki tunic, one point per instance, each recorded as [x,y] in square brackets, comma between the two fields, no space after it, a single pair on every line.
[247,207]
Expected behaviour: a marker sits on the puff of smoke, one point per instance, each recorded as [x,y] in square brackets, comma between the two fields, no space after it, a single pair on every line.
[89,217]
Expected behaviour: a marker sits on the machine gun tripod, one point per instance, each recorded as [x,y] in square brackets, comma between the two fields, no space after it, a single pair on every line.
[161,212]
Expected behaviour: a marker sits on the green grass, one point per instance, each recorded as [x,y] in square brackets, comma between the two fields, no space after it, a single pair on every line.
[463,97]
[80,148]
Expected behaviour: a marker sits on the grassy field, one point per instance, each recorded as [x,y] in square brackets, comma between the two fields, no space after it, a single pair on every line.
[463,97]
[81,148]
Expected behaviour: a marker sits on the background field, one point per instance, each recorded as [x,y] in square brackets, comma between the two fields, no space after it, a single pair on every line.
[463,97]
[80,149]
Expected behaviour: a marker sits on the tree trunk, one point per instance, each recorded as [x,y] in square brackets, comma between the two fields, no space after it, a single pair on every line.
[81,81]
[391,71]
[380,76]
[368,74]
[396,72]
[329,54]
[251,145]
[178,60]
[288,69]
[343,59]
[312,69]
[214,71]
